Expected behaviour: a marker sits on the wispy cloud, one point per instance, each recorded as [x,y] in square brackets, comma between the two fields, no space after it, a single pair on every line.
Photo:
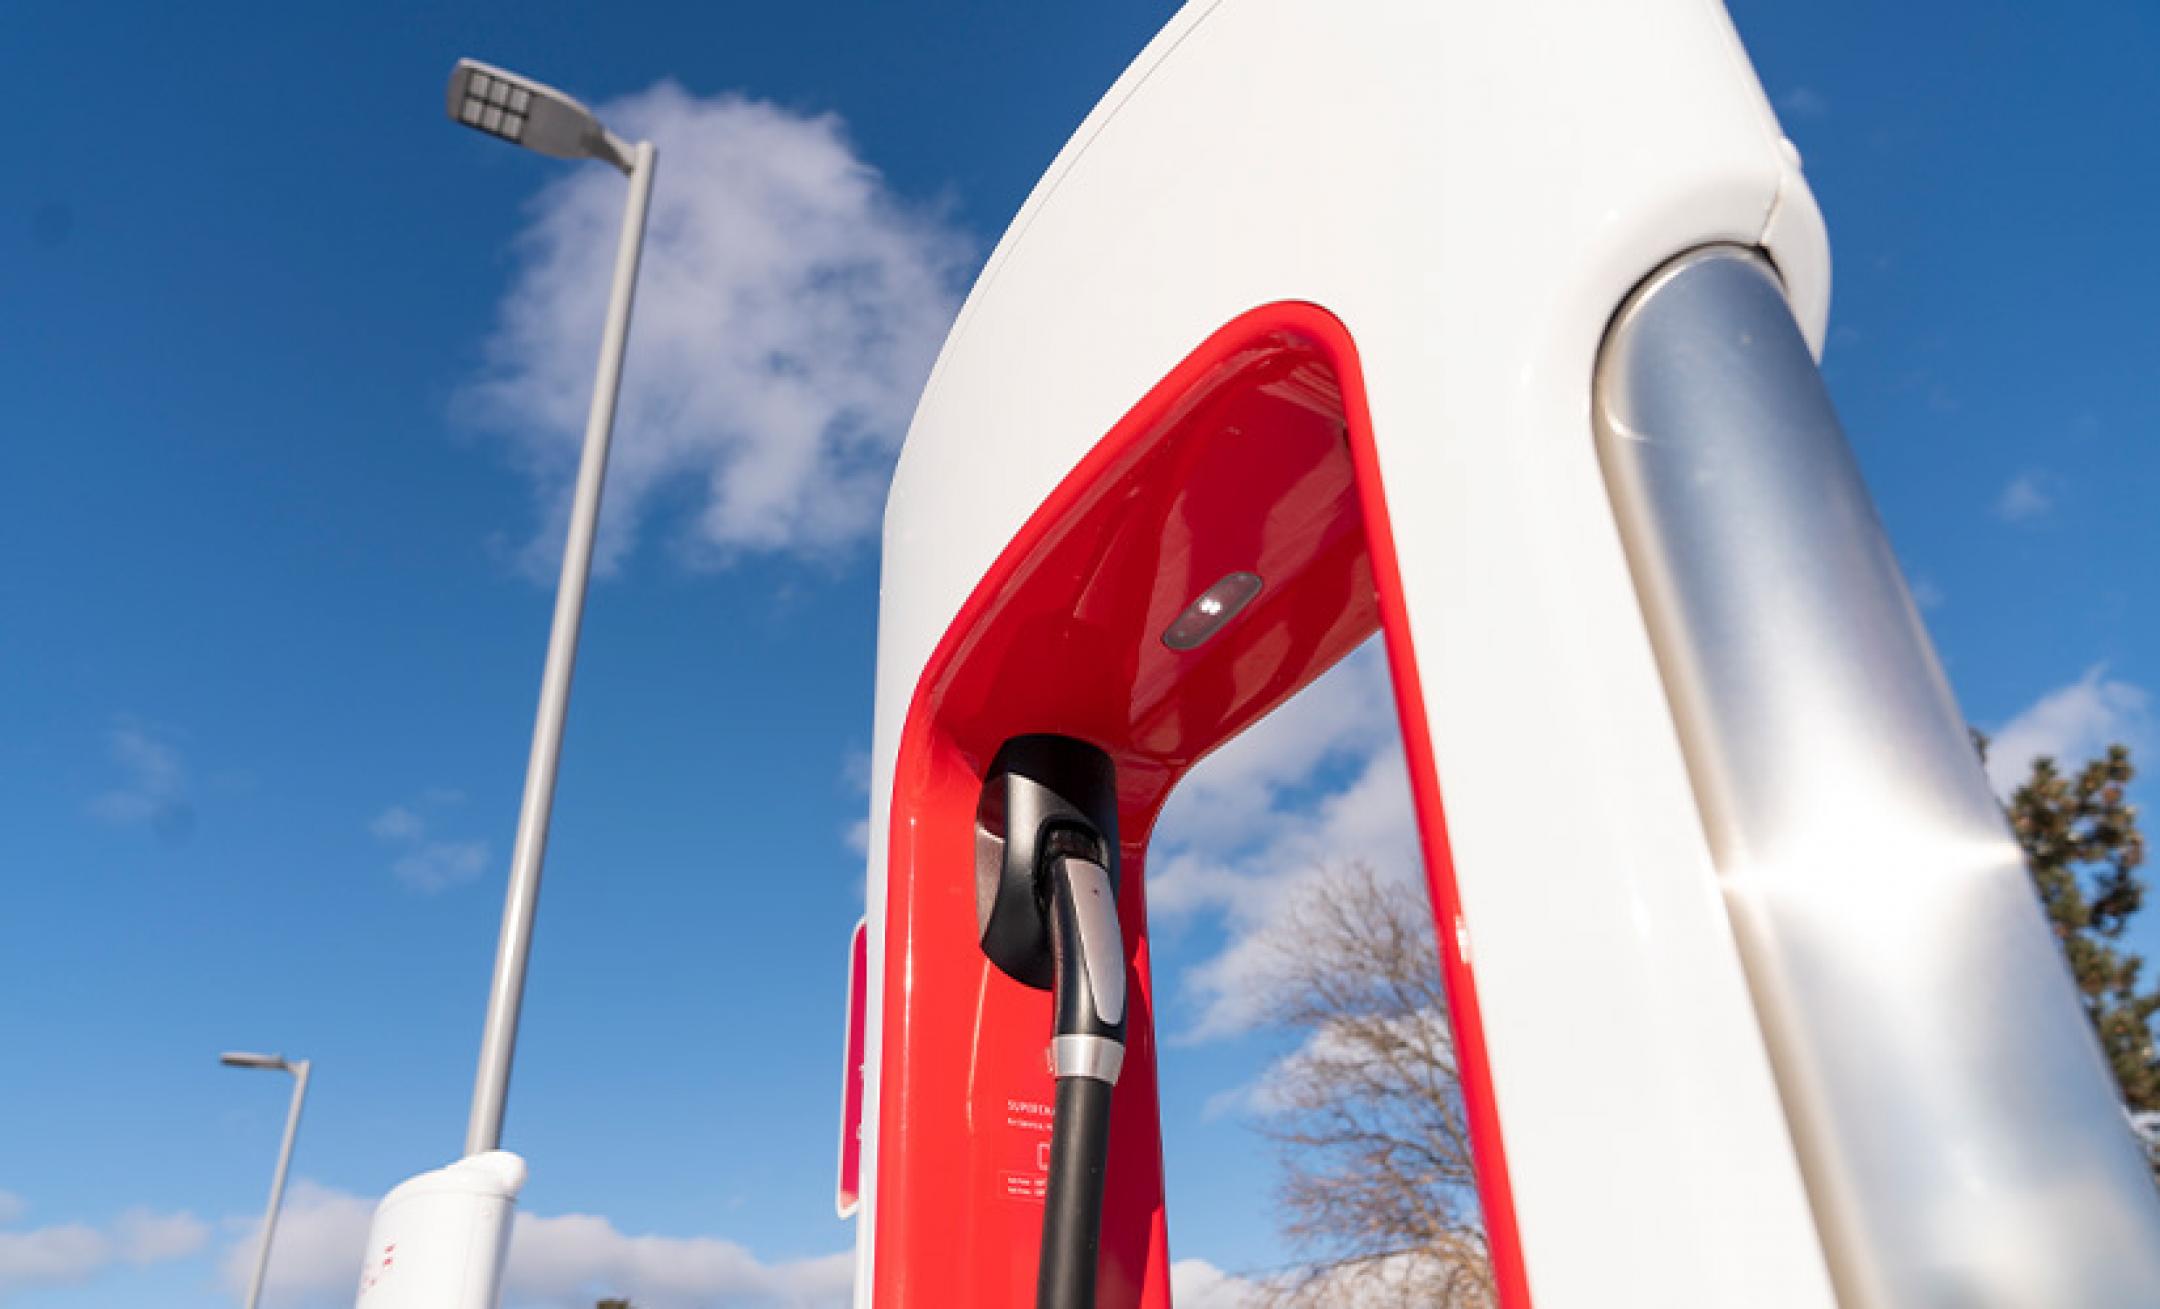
[51,1256]
[154,787]
[144,1237]
[1384,1282]
[2029,496]
[855,775]
[1319,782]
[1276,1090]
[1198,1284]
[70,1253]
[440,865]
[563,1262]
[398,823]
[788,311]
[1805,102]
[425,861]
[315,1261]
[2070,724]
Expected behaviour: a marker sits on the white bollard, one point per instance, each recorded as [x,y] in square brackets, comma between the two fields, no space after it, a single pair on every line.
[440,1240]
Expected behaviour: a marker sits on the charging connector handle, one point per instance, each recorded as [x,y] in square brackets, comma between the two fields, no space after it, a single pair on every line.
[1088,1050]
[1087,962]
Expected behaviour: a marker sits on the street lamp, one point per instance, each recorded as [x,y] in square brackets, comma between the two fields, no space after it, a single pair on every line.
[523,112]
[299,1069]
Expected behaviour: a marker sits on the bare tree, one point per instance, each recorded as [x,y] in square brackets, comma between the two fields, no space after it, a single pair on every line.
[1378,1193]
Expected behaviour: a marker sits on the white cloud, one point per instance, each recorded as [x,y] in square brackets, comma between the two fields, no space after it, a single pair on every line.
[1276,1089]
[1240,793]
[1805,102]
[2029,496]
[1319,782]
[52,1256]
[855,776]
[1387,1282]
[788,310]
[155,791]
[315,1260]
[397,823]
[145,1237]
[1369,820]
[2070,724]
[440,865]
[69,1253]
[565,1262]
[1198,1284]
[425,862]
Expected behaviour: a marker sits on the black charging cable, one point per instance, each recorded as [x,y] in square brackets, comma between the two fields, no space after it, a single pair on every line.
[1087,1053]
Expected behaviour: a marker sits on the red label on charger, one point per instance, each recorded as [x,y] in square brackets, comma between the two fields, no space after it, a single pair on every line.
[849,1196]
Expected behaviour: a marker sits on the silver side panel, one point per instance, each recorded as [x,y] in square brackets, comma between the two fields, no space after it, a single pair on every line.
[1959,1134]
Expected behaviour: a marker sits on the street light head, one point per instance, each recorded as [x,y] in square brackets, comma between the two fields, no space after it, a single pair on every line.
[531,114]
[245,1059]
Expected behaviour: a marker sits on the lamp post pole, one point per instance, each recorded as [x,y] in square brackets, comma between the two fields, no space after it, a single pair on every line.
[299,1069]
[541,118]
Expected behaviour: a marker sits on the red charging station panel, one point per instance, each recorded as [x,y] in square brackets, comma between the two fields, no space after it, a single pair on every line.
[1254,455]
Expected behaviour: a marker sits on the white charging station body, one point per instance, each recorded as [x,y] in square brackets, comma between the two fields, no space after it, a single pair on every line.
[442,1239]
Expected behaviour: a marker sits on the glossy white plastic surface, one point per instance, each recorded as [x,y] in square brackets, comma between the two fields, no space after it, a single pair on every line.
[441,1240]
[1473,189]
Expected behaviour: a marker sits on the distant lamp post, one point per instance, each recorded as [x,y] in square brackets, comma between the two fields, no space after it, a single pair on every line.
[299,1069]
[538,117]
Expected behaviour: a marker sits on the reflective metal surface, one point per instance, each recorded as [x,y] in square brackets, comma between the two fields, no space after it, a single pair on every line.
[1099,937]
[1098,1057]
[1959,1134]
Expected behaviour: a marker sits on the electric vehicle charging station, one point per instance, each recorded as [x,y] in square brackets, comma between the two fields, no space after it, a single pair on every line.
[441,1240]
[1493,329]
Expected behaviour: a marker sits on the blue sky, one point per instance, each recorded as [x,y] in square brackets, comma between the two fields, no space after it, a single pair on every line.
[282,448]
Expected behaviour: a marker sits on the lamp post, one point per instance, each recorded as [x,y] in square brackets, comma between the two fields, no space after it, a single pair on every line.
[299,1069]
[538,117]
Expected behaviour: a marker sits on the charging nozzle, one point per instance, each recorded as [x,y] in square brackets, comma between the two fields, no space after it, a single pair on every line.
[1046,905]
[1088,963]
